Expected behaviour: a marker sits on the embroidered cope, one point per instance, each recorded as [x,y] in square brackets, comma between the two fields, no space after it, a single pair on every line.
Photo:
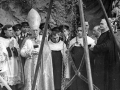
[30,50]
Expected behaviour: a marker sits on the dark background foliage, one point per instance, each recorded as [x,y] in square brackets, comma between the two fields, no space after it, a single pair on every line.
[63,11]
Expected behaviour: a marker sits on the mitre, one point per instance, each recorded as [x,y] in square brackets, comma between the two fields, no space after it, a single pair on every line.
[34,19]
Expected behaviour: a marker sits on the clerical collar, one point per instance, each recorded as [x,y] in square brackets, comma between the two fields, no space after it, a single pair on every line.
[55,42]
[56,46]
[24,34]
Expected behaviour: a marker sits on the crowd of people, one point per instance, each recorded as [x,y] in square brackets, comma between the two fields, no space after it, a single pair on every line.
[20,44]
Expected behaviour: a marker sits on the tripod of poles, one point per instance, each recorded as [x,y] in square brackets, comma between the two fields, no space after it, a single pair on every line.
[86,52]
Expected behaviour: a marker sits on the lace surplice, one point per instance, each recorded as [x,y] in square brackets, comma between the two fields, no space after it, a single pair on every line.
[10,69]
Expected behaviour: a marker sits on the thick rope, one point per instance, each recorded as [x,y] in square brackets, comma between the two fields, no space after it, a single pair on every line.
[77,73]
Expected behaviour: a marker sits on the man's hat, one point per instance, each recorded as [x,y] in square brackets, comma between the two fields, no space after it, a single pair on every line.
[34,19]
[1,25]
[17,27]
[42,25]
[56,30]
[61,27]
[25,24]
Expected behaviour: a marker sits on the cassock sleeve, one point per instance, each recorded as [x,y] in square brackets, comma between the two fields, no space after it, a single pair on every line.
[102,47]
[27,48]
[15,51]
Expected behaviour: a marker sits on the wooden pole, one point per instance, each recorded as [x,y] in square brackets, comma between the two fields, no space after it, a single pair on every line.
[5,83]
[109,25]
[87,59]
[39,62]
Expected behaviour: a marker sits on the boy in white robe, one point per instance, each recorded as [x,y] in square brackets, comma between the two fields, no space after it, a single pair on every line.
[10,69]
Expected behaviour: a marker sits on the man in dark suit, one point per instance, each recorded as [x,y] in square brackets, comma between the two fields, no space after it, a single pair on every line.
[17,32]
[65,34]
[24,32]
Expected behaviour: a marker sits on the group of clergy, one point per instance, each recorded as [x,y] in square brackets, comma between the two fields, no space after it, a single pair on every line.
[19,49]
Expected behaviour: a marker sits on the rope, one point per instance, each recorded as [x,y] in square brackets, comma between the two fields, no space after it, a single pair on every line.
[77,73]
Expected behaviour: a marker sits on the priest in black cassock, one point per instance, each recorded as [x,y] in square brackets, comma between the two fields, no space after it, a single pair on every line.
[59,58]
[106,70]
[77,53]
